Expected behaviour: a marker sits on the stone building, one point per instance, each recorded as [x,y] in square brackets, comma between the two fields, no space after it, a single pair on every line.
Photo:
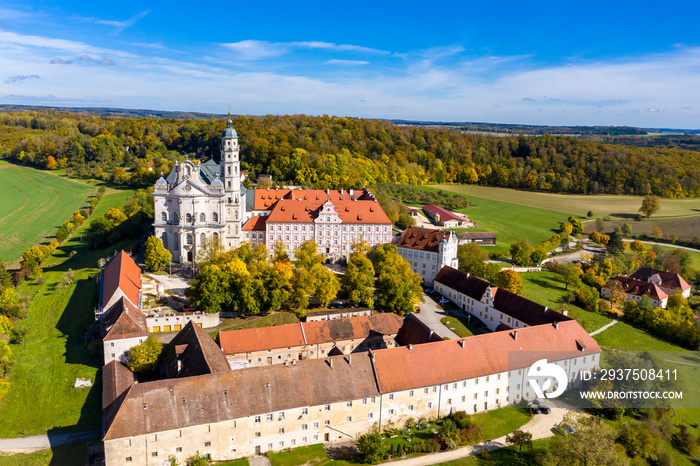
[428,251]
[239,413]
[121,323]
[197,202]
[308,340]
[490,304]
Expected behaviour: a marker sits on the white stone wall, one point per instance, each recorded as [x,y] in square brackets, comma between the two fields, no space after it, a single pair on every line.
[119,349]
[333,422]
[171,323]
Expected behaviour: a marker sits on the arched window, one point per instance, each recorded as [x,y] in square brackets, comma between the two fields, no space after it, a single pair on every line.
[164,239]
[215,217]
[189,239]
[176,217]
[188,218]
[202,218]
[215,235]
[164,216]
[202,238]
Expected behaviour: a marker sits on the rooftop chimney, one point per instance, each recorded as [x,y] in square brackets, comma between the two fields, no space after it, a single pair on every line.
[330,361]
[410,347]
[350,359]
[515,335]
[461,343]
[556,325]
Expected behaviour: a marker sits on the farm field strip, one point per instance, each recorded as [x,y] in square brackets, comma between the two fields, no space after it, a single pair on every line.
[511,222]
[575,204]
[34,204]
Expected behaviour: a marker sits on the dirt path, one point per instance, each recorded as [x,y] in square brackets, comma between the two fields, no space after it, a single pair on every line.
[604,327]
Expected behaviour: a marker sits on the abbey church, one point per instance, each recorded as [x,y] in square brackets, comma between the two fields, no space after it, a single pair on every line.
[197,202]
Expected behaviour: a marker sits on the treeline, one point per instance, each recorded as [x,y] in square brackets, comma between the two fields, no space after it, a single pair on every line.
[331,152]
[529,129]
[685,141]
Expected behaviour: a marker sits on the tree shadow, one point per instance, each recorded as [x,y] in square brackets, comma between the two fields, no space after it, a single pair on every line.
[625,215]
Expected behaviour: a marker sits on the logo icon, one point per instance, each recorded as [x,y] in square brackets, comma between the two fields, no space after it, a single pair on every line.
[545,372]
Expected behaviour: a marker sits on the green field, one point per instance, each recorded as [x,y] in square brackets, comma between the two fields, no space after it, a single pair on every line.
[627,337]
[511,222]
[546,288]
[34,204]
[575,204]
[41,396]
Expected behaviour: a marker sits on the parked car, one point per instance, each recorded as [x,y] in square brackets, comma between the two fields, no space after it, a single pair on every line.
[545,410]
[444,301]
[536,410]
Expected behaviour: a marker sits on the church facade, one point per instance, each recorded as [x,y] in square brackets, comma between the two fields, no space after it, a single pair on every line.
[198,202]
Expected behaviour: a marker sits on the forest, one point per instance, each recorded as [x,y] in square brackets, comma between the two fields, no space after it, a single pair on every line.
[333,152]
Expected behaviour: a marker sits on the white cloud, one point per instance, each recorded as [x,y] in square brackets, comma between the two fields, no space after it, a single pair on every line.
[346,62]
[260,49]
[419,86]
[119,26]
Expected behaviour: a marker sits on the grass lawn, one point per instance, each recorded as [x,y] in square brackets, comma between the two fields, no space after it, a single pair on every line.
[511,222]
[34,204]
[545,288]
[499,422]
[312,455]
[627,337]
[40,396]
[459,326]
[575,204]
[694,255]
[240,462]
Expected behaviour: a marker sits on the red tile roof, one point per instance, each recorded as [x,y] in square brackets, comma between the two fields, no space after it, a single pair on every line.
[447,361]
[639,288]
[123,320]
[325,331]
[668,280]
[255,223]
[190,401]
[522,309]
[302,206]
[197,352]
[415,332]
[467,284]
[308,333]
[445,215]
[116,379]
[158,406]
[424,239]
[258,339]
[121,273]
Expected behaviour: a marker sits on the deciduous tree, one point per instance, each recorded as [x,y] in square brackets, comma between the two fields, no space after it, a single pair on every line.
[592,443]
[358,281]
[143,358]
[510,280]
[156,256]
[520,438]
[650,205]
[326,285]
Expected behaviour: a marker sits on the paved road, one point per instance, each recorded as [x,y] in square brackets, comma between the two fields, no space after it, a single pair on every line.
[43,442]
[540,426]
[665,244]
[431,314]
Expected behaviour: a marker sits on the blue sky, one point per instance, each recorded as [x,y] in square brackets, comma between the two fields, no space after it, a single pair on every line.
[538,62]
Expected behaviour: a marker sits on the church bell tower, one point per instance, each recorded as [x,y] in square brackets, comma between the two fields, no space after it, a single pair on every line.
[231,177]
